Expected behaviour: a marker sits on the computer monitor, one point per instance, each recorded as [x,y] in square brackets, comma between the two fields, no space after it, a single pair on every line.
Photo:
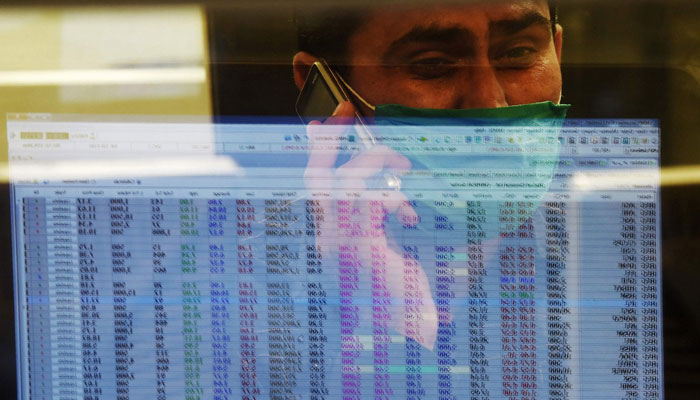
[169,258]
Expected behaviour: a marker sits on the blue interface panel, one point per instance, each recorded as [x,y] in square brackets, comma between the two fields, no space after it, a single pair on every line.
[188,260]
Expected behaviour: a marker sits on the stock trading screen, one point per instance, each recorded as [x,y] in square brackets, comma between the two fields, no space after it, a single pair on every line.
[539,279]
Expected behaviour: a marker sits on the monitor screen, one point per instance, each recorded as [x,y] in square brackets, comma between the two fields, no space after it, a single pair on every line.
[162,258]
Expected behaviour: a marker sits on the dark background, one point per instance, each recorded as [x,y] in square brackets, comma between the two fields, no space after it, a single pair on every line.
[622,59]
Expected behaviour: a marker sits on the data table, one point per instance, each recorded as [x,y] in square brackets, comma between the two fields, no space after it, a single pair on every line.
[517,262]
[214,293]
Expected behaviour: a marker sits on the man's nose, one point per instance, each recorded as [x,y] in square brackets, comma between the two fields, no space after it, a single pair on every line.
[480,88]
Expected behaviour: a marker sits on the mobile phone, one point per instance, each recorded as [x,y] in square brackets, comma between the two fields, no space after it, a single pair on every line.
[321,94]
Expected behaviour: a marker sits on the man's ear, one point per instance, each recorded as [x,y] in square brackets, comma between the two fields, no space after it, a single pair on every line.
[302,63]
[558,37]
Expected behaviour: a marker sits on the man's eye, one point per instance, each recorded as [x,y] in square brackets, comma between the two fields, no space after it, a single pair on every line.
[517,57]
[519,52]
[431,68]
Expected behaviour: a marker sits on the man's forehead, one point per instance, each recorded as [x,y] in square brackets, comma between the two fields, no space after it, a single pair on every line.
[476,17]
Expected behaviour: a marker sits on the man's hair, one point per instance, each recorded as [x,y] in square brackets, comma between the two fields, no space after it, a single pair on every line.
[326,32]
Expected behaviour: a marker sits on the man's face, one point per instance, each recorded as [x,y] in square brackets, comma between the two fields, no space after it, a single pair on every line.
[477,56]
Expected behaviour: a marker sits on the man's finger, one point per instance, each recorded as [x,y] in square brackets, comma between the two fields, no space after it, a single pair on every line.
[344,115]
[373,161]
[397,203]
[324,138]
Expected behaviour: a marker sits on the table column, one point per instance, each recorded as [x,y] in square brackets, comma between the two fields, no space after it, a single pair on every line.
[559,284]
[132,296]
[450,227]
[353,293]
[223,287]
[37,297]
[383,311]
[64,289]
[418,248]
[322,316]
[609,288]
[649,289]
[478,215]
[251,291]
[166,269]
[194,260]
[527,325]
[284,239]
[93,254]
[508,301]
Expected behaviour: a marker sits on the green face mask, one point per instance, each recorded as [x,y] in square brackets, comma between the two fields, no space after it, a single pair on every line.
[495,153]
[505,152]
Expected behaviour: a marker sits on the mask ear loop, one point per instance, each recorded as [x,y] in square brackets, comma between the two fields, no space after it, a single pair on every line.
[354,93]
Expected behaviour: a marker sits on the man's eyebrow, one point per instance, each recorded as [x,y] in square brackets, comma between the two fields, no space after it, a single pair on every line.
[431,34]
[459,34]
[513,26]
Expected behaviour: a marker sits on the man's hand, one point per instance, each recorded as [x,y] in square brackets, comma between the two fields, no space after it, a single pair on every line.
[351,222]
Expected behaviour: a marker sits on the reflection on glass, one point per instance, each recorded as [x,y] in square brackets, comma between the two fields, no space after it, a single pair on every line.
[512,262]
